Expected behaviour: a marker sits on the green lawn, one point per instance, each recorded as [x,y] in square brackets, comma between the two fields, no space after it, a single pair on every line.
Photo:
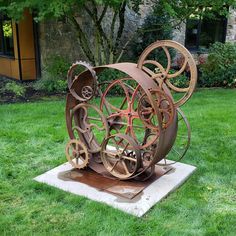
[32,141]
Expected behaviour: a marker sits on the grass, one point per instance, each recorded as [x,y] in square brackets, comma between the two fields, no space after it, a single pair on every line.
[32,141]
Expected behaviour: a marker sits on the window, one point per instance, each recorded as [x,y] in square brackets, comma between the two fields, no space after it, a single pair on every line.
[6,37]
[202,32]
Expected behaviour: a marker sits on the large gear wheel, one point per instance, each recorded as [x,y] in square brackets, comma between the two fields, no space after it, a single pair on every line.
[165,106]
[120,156]
[178,72]
[83,88]
[77,154]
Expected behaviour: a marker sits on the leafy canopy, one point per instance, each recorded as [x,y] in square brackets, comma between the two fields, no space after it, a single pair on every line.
[106,45]
[58,8]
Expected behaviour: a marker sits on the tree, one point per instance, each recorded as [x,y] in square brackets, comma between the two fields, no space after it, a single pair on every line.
[156,26]
[105,45]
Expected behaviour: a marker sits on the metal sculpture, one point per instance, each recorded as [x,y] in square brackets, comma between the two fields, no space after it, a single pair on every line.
[126,139]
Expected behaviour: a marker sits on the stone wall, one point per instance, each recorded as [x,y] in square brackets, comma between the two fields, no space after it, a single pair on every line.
[179,33]
[58,38]
[231,27]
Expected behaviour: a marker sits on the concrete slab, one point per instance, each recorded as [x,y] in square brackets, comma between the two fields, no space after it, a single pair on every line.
[137,206]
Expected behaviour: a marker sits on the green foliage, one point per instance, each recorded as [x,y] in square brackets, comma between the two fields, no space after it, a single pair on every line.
[16,88]
[185,8]
[54,75]
[106,45]
[55,8]
[106,77]
[220,67]
[7,29]
[181,81]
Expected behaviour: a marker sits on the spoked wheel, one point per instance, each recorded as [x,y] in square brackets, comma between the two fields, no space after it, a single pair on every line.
[121,156]
[77,154]
[182,141]
[83,88]
[124,117]
[170,63]
[165,107]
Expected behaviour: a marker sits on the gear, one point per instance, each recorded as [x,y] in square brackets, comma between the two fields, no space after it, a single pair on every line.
[120,156]
[77,154]
[179,73]
[80,85]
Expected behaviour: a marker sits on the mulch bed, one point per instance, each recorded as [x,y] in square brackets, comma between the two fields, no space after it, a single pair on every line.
[30,95]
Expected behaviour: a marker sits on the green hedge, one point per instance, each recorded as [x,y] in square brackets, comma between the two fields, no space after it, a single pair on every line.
[219,70]
[54,75]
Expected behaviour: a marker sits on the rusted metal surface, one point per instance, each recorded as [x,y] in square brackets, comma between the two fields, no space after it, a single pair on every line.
[126,139]
[126,189]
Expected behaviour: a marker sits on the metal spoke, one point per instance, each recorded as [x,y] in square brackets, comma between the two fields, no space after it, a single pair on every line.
[125,148]
[176,151]
[123,123]
[113,167]
[94,118]
[129,158]
[111,154]
[125,167]
[123,102]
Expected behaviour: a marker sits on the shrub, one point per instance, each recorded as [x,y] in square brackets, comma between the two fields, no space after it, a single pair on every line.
[107,76]
[16,88]
[220,67]
[54,75]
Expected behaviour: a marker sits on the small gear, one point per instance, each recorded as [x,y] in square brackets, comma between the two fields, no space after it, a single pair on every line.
[87,92]
[90,84]
[74,65]
[77,154]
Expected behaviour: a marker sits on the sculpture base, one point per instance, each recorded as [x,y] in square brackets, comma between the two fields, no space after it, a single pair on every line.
[126,189]
[130,196]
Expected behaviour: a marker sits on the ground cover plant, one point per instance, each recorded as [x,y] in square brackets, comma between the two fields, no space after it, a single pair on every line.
[32,141]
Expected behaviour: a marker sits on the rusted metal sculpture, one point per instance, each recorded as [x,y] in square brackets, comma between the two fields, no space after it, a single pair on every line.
[126,139]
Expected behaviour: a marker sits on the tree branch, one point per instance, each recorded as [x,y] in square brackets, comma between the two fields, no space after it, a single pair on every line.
[124,47]
[84,42]
[122,23]
[96,23]
[103,14]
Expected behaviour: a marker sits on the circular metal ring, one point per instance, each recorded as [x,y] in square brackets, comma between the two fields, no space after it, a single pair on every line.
[186,68]
[182,141]
[121,156]
[83,86]
[77,154]
[164,104]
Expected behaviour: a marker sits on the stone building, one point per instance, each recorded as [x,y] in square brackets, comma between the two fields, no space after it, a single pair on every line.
[24,47]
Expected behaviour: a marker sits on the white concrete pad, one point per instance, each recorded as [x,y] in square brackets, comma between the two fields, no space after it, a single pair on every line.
[139,205]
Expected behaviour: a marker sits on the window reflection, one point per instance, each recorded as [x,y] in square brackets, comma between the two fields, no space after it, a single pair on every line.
[6,38]
[202,32]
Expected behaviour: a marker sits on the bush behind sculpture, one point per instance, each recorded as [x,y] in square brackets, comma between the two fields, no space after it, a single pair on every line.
[220,67]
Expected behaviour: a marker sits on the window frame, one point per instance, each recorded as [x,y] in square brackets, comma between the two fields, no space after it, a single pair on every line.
[197,48]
